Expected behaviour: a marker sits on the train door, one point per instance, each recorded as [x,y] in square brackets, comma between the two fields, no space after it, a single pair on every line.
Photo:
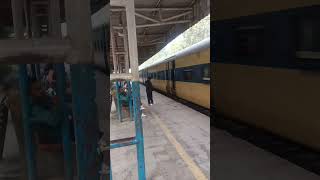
[167,77]
[173,75]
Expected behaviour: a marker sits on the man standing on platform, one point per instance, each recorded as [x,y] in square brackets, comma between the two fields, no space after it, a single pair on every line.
[149,89]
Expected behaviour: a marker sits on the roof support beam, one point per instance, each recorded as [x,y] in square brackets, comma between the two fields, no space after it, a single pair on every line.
[156,24]
[121,3]
[163,23]
[147,18]
[11,51]
[151,44]
[152,9]
[177,16]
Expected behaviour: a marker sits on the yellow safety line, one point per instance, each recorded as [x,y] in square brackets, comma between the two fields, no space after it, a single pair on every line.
[197,173]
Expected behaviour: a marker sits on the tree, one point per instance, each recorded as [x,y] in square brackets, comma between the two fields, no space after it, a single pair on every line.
[193,35]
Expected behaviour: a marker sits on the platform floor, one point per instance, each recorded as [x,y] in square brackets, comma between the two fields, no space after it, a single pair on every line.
[177,142]
[235,159]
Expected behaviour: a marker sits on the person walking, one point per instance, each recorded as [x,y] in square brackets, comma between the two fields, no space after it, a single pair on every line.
[149,89]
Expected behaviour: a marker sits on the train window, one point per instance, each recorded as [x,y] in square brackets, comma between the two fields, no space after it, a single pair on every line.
[162,75]
[249,41]
[187,74]
[309,38]
[206,73]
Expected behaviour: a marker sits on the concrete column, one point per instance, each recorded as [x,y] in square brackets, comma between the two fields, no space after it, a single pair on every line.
[54,19]
[35,25]
[125,44]
[17,16]
[132,40]
[79,30]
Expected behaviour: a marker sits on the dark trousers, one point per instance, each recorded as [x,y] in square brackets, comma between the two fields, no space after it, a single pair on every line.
[149,96]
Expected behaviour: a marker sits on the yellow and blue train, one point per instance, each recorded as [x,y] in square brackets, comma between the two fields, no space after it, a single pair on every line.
[185,75]
[266,62]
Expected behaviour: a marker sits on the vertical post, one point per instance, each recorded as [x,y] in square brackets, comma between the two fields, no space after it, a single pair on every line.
[33,70]
[26,8]
[35,25]
[3,124]
[132,40]
[139,129]
[125,44]
[17,15]
[130,99]
[54,19]
[65,127]
[86,121]
[38,71]
[119,106]
[133,52]
[114,58]
[79,30]
[29,144]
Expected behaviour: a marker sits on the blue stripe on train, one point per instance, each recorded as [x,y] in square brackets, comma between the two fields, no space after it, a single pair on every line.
[197,74]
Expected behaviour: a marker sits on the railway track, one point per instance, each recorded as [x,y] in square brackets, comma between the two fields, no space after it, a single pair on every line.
[295,153]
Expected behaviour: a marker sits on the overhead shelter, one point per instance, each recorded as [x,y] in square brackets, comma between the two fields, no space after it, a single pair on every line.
[158,22]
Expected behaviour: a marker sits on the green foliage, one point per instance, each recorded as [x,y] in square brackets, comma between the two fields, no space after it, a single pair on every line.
[193,35]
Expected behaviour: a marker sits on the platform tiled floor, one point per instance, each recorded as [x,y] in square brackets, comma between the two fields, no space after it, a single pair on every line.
[163,162]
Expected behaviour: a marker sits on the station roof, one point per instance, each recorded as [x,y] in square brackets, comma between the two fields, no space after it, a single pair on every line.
[6,13]
[158,22]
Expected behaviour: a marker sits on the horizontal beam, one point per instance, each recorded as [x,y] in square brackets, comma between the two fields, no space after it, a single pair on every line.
[121,3]
[34,51]
[163,23]
[152,9]
[122,76]
[143,35]
[122,52]
[176,16]
[156,24]
[151,44]
[146,17]
[123,142]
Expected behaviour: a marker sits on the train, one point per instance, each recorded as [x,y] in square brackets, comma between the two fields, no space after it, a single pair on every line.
[185,75]
[265,61]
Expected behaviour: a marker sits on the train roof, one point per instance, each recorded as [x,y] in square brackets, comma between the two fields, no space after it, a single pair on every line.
[204,44]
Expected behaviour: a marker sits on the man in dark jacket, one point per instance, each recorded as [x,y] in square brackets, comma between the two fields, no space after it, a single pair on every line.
[149,90]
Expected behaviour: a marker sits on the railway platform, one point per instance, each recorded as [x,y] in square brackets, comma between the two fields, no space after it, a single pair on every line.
[176,141]
[234,159]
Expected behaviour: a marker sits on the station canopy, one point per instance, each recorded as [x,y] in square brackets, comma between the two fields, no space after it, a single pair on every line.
[195,34]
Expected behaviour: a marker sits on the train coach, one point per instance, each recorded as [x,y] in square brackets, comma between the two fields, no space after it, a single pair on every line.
[266,62]
[185,75]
